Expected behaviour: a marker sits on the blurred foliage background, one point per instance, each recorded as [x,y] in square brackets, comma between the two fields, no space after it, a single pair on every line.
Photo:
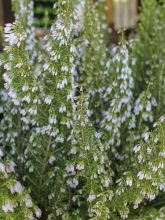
[44,14]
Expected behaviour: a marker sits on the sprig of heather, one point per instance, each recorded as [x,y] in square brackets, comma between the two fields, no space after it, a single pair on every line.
[150,213]
[145,178]
[119,99]
[24,13]
[93,68]
[148,54]
[15,201]
[148,70]
[46,96]
[87,176]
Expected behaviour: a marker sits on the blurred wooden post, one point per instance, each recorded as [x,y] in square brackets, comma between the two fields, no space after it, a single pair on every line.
[110,16]
[125,13]
[1,21]
[122,14]
[110,11]
[1,13]
[6,14]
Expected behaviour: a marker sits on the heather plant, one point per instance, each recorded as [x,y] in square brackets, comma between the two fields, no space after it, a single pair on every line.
[34,93]
[77,116]
[15,201]
[148,59]
[119,98]
[87,174]
[94,42]
[145,179]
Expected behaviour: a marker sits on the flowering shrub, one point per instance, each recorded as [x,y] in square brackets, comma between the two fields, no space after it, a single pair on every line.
[15,202]
[78,116]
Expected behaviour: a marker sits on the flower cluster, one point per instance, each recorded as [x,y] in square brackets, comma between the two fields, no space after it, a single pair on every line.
[145,179]
[15,202]
[119,96]
[93,49]
[24,13]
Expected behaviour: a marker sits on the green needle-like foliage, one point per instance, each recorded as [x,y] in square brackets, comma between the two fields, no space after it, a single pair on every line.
[77,116]
[87,175]
[15,202]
